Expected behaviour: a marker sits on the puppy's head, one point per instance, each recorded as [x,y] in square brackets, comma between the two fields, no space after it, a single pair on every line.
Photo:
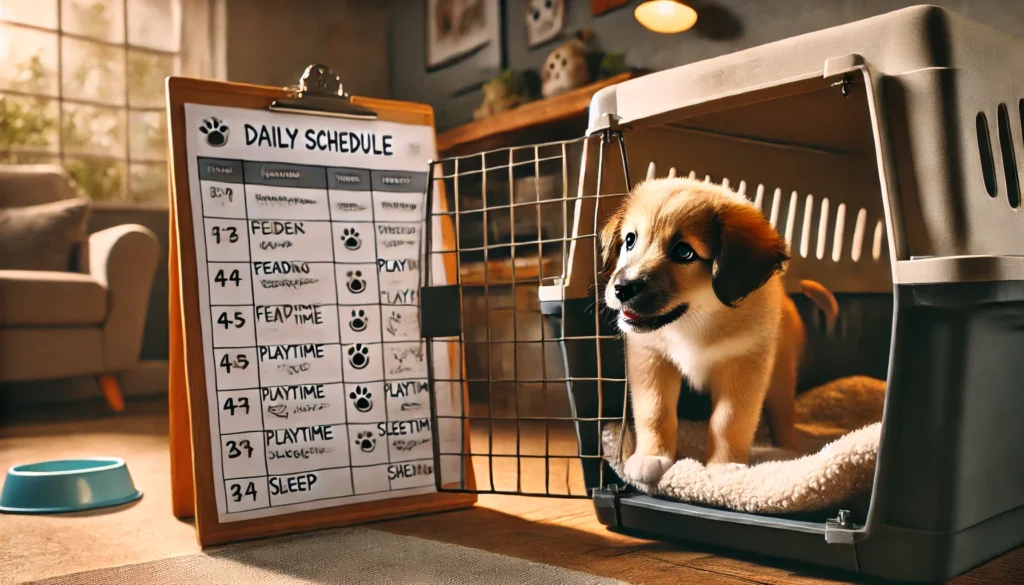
[677,244]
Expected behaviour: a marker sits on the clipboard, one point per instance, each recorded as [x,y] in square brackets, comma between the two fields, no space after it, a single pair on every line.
[320,94]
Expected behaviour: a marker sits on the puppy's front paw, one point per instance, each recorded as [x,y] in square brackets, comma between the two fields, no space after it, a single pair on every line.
[646,468]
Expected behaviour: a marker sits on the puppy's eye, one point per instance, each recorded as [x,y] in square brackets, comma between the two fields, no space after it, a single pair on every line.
[630,240]
[682,252]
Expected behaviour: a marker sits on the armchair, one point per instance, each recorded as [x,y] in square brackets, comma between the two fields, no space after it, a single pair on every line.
[86,321]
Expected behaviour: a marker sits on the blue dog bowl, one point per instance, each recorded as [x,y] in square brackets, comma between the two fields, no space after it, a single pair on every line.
[67,485]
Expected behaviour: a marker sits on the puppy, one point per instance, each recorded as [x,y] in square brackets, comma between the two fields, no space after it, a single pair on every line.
[696,281]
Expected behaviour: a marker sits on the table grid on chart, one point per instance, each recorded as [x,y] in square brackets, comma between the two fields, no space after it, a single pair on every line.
[353,463]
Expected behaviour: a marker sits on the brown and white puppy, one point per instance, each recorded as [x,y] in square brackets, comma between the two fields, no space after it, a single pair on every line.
[696,280]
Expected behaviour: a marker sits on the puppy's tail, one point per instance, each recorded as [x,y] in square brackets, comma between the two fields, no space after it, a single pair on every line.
[825,300]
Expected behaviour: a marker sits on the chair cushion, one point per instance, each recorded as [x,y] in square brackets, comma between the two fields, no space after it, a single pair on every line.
[36,297]
[41,237]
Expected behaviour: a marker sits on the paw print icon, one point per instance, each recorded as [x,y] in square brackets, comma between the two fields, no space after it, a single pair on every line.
[358,321]
[216,131]
[359,356]
[355,282]
[350,238]
[366,442]
[361,398]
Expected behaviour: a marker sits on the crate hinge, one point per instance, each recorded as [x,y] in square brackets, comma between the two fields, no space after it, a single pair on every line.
[606,504]
[842,530]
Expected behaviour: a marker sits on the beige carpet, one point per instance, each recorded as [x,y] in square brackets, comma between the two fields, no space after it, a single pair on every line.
[554,532]
[34,547]
[356,556]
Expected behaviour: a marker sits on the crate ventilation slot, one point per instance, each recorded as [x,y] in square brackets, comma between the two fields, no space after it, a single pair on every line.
[826,222]
[988,167]
[1020,113]
[1009,162]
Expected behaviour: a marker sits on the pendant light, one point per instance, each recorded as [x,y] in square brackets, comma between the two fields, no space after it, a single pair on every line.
[665,16]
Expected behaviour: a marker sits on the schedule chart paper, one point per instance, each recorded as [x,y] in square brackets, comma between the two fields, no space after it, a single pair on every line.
[309,242]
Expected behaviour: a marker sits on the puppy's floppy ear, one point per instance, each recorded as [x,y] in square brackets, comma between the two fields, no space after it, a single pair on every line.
[748,252]
[611,239]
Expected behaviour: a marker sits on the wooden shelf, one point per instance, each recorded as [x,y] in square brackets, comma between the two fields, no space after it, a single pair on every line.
[502,128]
[558,118]
[500,271]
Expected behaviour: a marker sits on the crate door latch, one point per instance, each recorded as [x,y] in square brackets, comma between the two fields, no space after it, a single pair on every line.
[440,311]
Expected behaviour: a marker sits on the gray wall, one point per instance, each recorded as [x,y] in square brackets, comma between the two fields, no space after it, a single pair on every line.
[270,42]
[754,22]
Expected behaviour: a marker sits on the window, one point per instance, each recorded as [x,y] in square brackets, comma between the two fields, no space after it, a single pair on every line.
[82,85]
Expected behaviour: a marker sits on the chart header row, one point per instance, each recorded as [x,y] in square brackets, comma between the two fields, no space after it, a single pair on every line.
[310,177]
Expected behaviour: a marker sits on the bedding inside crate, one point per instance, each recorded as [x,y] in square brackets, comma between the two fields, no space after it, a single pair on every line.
[838,428]
[841,393]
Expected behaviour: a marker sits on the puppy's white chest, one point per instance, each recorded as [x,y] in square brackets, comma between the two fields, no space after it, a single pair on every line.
[689,356]
[691,366]
[695,359]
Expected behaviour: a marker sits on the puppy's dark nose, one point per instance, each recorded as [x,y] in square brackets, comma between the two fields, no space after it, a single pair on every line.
[628,289]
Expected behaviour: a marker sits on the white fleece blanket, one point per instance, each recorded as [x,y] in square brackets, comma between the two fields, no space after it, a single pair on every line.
[838,430]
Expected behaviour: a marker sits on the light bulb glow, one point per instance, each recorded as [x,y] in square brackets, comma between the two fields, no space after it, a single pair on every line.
[665,16]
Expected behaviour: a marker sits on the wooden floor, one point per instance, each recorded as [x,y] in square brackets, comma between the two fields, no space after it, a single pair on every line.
[562,532]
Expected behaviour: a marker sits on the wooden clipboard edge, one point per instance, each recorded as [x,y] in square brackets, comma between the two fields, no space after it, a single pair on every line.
[192,475]
[179,426]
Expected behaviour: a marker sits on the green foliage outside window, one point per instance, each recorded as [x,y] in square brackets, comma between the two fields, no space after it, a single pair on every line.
[111,152]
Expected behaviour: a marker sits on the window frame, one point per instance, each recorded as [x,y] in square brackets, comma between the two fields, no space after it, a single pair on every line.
[126,158]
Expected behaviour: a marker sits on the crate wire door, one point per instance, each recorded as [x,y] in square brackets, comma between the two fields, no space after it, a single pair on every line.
[514,212]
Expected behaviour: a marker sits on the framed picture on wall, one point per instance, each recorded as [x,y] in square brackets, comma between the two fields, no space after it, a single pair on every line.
[545,20]
[599,7]
[457,29]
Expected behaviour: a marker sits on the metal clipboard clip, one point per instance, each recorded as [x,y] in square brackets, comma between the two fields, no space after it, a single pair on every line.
[320,93]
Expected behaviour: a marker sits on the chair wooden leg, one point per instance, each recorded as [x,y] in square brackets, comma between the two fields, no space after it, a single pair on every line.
[112,392]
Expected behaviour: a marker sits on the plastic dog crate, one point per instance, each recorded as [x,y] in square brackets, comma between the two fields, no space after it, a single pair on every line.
[887,152]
